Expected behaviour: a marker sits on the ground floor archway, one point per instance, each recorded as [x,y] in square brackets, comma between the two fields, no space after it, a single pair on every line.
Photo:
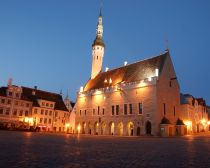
[111,128]
[96,128]
[103,128]
[120,129]
[148,128]
[138,132]
[130,128]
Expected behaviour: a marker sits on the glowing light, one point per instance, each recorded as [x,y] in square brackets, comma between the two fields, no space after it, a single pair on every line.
[142,84]
[104,97]
[30,120]
[106,69]
[97,124]
[203,121]
[150,79]
[81,89]
[26,119]
[156,72]
[208,122]
[110,80]
[67,125]
[188,123]
[105,81]
[125,63]
[97,92]
[78,128]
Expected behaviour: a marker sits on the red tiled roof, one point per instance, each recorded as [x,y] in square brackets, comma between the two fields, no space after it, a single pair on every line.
[130,73]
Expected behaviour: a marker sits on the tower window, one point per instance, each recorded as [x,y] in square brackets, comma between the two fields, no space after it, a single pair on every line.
[164,108]
[97,57]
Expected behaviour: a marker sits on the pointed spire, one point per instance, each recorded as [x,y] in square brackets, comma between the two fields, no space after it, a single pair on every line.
[100,14]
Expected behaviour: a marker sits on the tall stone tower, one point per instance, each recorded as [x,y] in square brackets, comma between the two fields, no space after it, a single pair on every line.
[98,47]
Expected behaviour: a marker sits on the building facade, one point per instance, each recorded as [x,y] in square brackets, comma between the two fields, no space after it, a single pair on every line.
[135,99]
[31,108]
[194,114]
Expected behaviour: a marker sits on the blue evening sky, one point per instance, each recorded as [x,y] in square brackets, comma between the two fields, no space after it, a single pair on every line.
[47,43]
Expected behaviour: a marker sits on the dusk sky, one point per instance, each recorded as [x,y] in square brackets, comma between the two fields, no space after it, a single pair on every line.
[47,43]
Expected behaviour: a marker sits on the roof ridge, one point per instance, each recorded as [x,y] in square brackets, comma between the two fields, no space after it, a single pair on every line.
[41,90]
[138,61]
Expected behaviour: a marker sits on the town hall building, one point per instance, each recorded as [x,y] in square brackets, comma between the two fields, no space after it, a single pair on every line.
[141,98]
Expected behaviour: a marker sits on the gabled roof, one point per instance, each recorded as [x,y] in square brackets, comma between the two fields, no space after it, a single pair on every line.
[39,94]
[130,73]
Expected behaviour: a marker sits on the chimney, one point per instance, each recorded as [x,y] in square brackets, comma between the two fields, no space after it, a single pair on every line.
[9,82]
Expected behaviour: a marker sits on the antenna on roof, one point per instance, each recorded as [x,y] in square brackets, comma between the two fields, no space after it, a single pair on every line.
[167,44]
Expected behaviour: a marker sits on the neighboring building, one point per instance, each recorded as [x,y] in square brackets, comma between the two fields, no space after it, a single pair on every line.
[49,111]
[194,113]
[22,107]
[15,109]
[135,99]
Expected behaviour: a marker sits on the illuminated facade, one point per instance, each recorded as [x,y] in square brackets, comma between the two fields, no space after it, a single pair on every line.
[15,110]
[24,108]
[135,99]
[194,114]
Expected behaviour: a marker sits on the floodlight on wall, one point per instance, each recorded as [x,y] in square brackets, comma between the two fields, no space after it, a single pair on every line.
[125,63]
[106,69]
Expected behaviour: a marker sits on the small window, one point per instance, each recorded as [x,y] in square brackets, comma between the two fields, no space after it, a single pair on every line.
[140,108]
[2,101]
[117,109]
[15,112]
[50,113]
[49,121]
[85,112]
[93,111]
[170,84]
[27,104]
[10,93]
[21,113]
[130,108]
[46,112]
[164,108]
[51,105]
[7,111]
[16,103]
[26,113]
[35,111]
[112,110]
[1,110]
[17,95]
[103,111]
[42,111]
[9,102]
[80,112]
[47,104]
[125,109]
[40,120]
[98,110]
[97,57]
[45,120]
[174,111]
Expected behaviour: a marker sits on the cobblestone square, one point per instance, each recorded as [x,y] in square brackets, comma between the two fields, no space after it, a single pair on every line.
[26,149]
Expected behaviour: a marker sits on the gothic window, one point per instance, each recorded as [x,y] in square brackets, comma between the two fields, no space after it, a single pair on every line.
[117,109]
[164,108]
[125,109]
[140,108]
[112,110]
[130,108]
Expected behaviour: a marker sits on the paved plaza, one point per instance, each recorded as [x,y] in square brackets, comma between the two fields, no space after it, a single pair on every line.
[26,149]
